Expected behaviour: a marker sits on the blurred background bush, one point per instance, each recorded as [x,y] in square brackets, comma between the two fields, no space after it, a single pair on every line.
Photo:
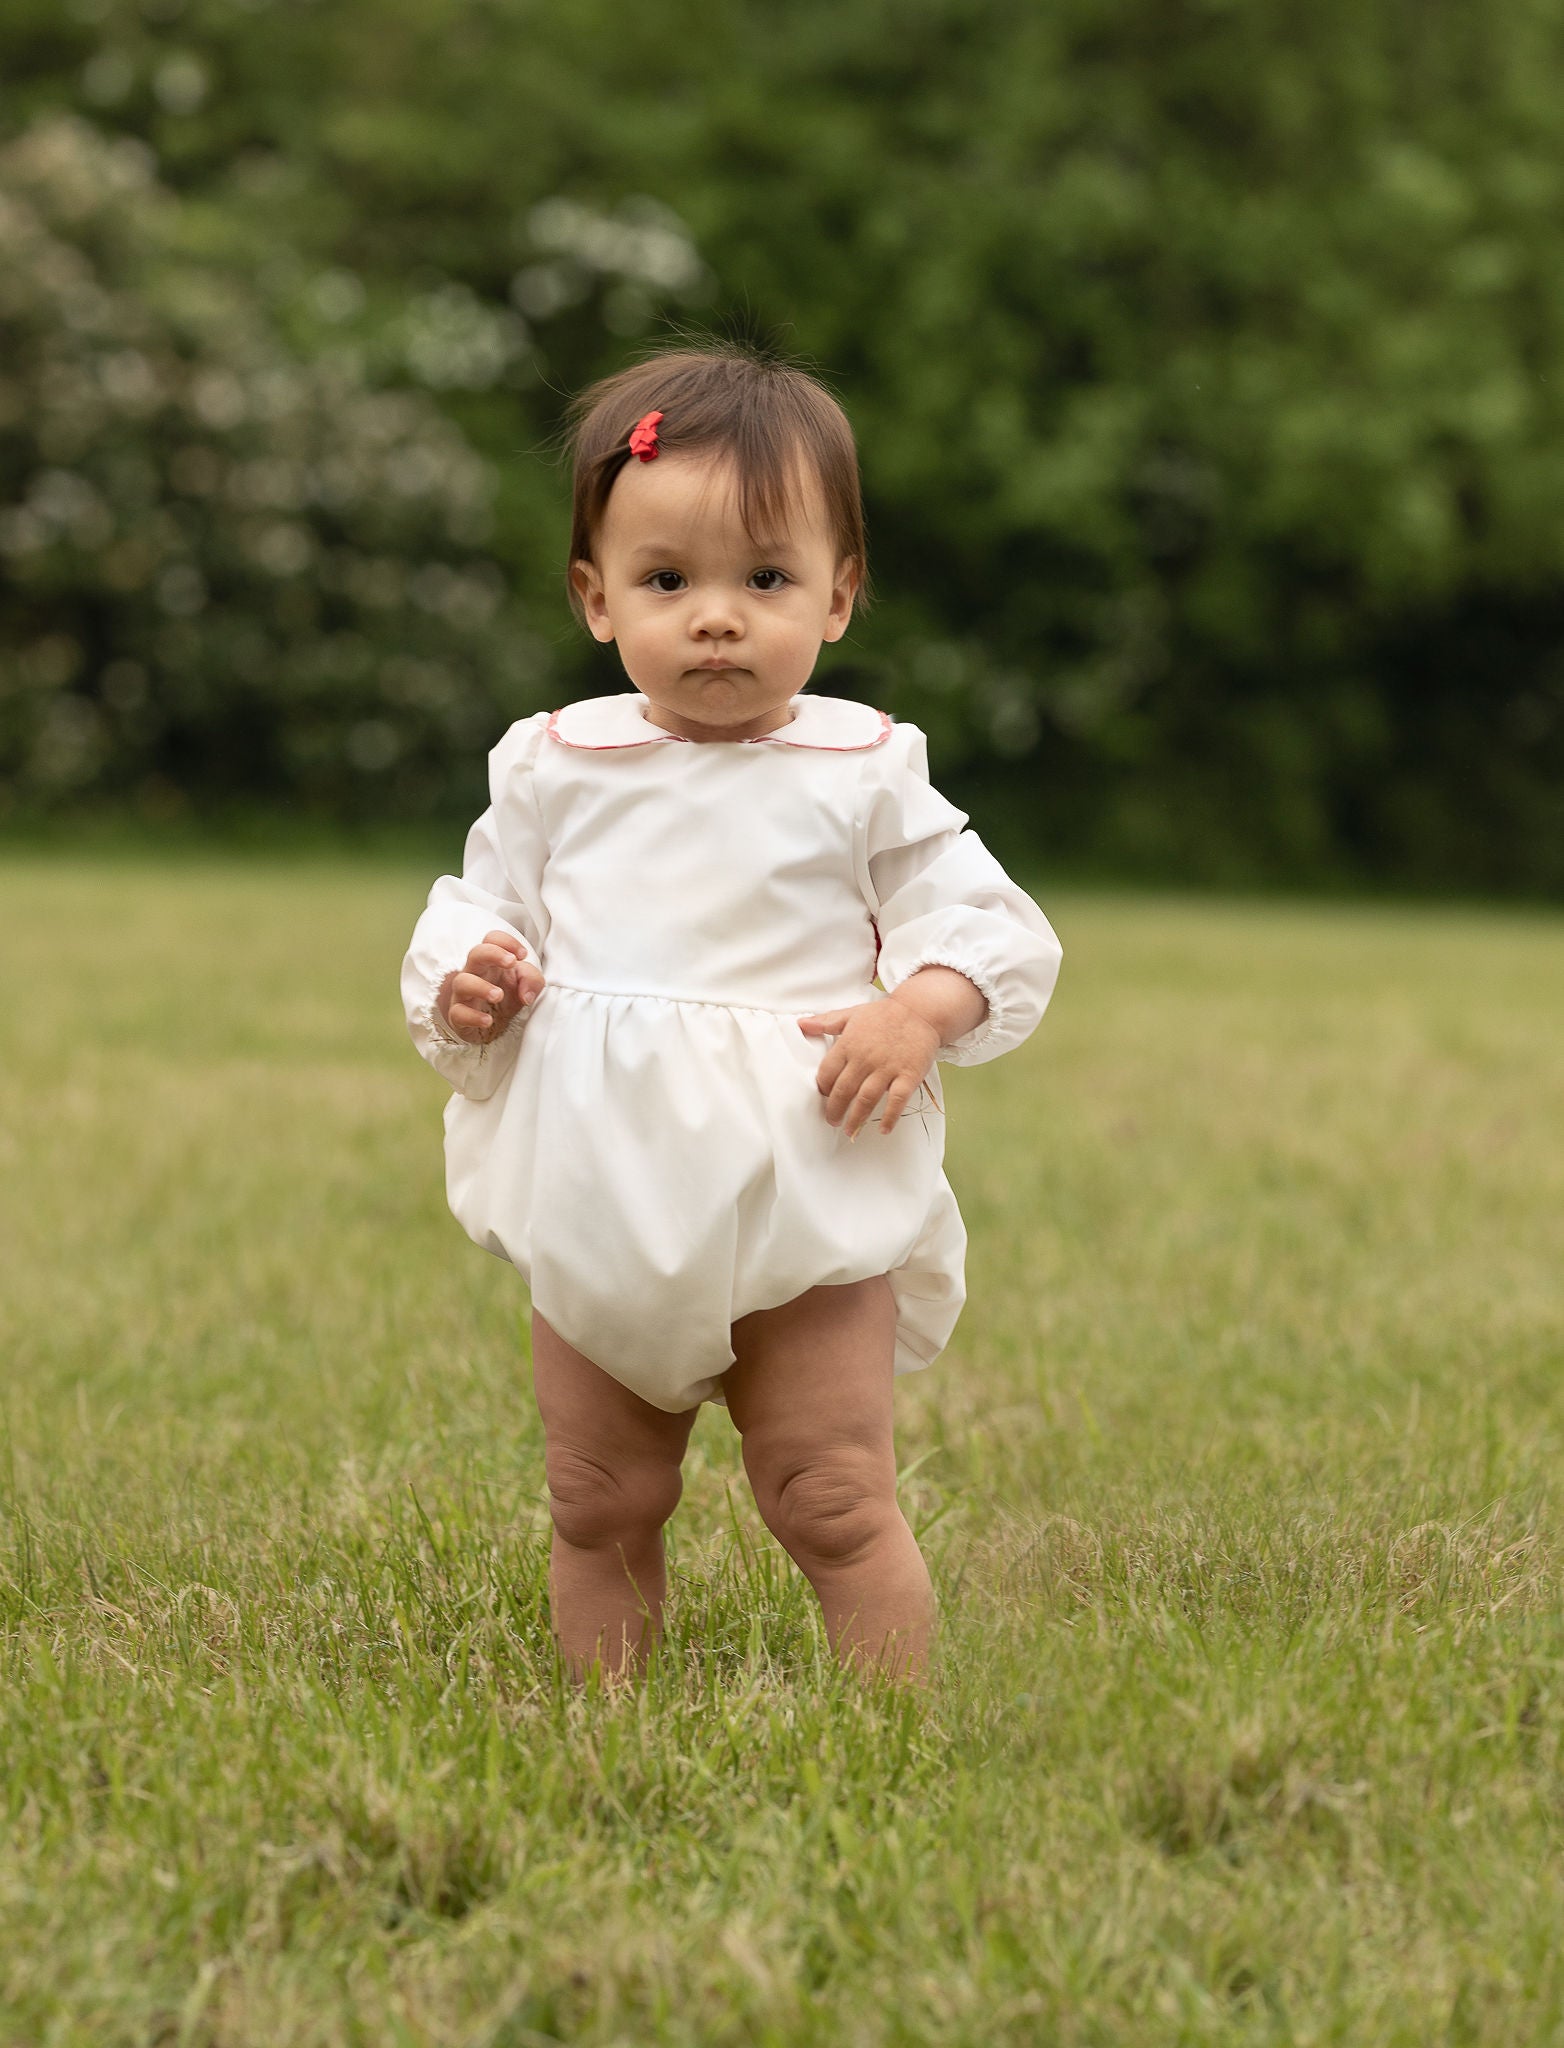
[1206,361]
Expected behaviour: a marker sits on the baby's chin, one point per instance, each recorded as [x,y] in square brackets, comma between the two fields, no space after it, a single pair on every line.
[720,700]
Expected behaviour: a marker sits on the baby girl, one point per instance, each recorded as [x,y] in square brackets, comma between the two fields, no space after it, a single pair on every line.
[708,945]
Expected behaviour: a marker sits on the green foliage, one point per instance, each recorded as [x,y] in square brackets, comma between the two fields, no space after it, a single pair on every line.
[1239,1484]
[1202,357]
[233,569]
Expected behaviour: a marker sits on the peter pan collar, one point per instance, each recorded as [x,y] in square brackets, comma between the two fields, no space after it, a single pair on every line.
[832,724]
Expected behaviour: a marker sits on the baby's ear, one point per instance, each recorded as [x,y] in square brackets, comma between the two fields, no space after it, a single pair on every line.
[849,575]
[588,586]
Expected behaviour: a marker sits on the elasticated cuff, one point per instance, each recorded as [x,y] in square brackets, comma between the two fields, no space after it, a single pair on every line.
[961,1051]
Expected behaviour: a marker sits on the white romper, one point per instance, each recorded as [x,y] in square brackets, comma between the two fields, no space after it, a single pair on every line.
[646,1143]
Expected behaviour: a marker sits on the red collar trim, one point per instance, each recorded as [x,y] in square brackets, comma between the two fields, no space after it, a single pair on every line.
[831,725]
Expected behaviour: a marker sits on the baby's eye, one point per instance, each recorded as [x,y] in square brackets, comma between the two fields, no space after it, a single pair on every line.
[779,575]
[665,580]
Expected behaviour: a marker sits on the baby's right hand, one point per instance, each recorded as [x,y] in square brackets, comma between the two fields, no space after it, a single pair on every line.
[480,999]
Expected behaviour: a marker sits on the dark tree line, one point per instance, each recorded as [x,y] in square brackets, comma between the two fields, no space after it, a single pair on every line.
[1205,362]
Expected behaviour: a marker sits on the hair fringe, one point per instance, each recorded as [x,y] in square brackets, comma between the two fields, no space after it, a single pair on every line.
[750,397]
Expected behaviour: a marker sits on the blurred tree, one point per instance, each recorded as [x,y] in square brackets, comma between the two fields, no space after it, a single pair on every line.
[231,572]
[1203,359]
[1202,356]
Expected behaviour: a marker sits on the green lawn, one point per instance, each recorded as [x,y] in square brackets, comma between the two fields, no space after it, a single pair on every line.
[1239,1481]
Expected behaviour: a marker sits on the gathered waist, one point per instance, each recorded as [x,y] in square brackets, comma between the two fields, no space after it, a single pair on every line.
[658,995]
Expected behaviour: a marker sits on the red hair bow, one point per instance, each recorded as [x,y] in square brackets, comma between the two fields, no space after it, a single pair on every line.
[643,437]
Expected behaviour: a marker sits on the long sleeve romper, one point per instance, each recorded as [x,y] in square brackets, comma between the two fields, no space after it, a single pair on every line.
[646,1143]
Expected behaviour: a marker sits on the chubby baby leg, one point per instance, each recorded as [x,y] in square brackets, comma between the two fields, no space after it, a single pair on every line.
[810,1392]
[612,1462]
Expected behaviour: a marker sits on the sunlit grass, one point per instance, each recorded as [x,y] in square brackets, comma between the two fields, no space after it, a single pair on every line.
[1239,1481]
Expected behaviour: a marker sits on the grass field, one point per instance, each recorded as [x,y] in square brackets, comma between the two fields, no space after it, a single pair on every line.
[1240,1483]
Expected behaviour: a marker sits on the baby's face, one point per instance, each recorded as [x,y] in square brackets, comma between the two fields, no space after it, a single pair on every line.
[716,630]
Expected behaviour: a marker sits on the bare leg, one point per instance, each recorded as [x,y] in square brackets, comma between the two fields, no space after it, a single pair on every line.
[613,1476]
[811,1394]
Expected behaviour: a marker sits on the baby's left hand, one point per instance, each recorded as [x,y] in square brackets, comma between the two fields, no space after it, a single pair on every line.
[881,1048]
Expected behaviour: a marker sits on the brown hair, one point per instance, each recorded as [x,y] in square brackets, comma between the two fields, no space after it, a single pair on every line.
[763,412]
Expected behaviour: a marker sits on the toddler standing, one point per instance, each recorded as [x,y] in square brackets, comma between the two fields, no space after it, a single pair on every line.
[683,1109]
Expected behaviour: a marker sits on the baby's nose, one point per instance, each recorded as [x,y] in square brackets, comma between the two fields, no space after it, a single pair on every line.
[717,618]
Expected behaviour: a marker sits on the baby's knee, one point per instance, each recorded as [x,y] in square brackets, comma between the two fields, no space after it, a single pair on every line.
[594,1503]
[828,1509]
